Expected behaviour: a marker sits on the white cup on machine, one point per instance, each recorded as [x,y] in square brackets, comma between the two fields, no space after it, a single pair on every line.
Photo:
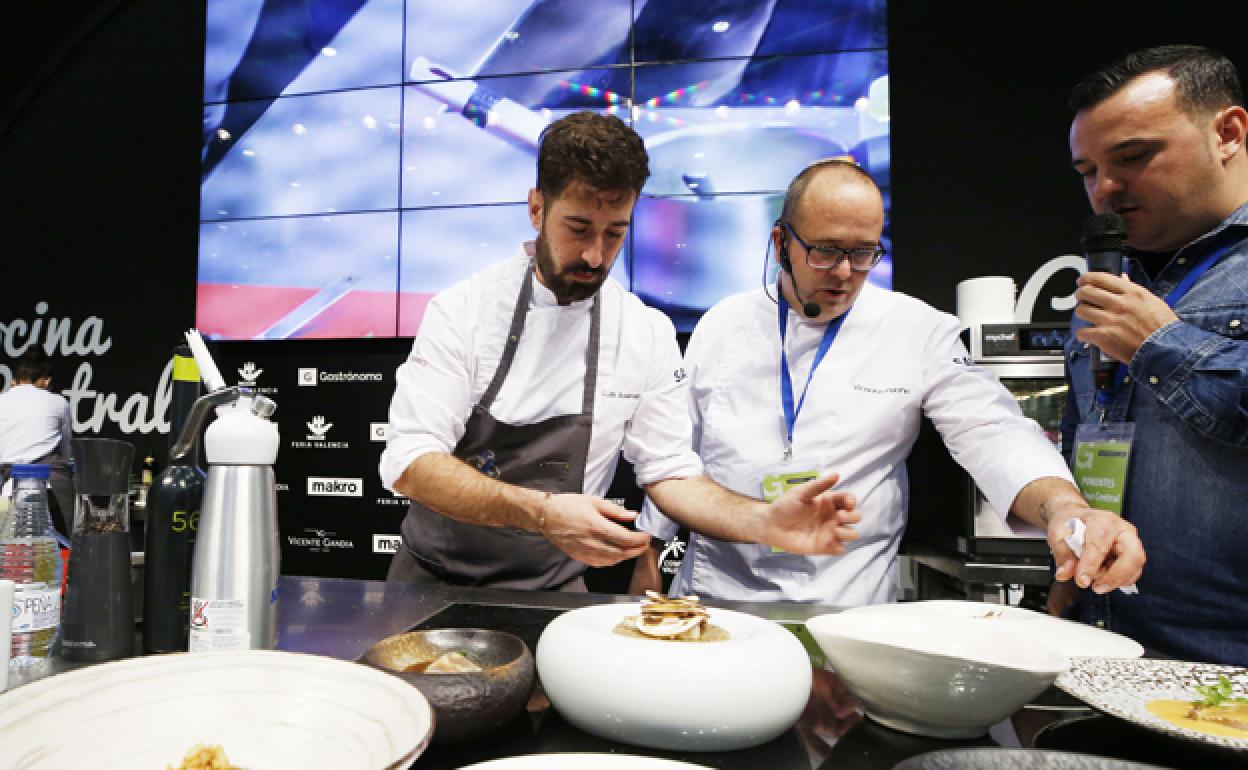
[6,631]
[988,299]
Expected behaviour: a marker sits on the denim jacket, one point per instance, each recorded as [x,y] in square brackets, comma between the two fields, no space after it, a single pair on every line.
[1187,486]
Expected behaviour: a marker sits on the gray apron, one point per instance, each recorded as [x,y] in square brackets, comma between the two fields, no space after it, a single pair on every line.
[549,456]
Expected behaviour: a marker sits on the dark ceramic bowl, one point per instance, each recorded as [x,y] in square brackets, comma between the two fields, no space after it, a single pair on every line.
[466,705]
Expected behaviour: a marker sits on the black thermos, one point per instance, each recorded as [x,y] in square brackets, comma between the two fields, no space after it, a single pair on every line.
[172,520]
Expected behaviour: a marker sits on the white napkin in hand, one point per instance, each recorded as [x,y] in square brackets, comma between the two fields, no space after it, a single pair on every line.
[1075,541]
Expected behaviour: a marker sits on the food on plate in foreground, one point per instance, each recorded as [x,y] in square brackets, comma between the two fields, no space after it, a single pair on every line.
[681,619]
[202,757]
[1219,712]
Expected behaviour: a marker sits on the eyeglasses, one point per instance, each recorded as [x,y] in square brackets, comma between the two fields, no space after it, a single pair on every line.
[861,258]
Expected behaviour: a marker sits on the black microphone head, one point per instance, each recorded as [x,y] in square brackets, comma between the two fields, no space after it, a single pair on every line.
[1104,232]
[811,309]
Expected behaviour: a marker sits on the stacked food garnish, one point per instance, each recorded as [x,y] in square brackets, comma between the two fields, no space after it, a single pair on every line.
[672,618]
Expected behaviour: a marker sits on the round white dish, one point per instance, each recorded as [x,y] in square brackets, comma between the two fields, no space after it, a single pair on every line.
[707,696]
[266,709]
[1124,688]
[582,762]
[1067,637]
[945,677]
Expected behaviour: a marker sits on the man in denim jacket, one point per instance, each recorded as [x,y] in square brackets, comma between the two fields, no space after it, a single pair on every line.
[1159,139]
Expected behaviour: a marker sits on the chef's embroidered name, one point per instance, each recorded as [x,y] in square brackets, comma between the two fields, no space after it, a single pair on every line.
[879,391]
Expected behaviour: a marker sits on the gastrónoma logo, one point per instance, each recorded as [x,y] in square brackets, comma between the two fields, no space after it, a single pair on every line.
[319,486]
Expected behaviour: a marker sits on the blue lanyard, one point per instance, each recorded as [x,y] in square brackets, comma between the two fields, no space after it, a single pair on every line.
[1180,290]
[786,379]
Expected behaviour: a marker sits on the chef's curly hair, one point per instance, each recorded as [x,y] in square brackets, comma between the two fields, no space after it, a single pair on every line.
[599,150]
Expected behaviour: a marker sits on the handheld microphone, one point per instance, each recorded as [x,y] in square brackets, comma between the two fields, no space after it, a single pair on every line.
[809,309]
[1103,238]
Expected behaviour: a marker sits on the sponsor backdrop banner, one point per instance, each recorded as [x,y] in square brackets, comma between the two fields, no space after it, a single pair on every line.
[335,517]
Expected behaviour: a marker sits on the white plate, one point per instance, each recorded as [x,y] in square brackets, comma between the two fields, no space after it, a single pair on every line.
[683,696]
[268,710]
[1125,687]
[1067,637]
[582,762]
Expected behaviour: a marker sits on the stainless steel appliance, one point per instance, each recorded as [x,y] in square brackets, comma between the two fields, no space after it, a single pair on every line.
[952,529]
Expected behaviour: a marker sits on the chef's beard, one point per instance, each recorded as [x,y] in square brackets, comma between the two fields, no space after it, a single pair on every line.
[565,290]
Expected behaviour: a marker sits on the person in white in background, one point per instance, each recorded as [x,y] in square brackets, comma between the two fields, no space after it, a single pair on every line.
[865,366]
[35,427]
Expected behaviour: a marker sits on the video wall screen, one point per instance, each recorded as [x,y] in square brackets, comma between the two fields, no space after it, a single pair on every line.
[361,155]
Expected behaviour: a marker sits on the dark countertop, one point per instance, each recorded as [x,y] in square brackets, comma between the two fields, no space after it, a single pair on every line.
[343,618]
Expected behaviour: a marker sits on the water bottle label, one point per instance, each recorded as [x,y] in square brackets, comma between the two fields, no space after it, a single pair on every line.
[36,607]
[218,624]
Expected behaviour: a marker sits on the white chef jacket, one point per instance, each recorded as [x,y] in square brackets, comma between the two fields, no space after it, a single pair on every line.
[33,423]
[894,360]
[641,405]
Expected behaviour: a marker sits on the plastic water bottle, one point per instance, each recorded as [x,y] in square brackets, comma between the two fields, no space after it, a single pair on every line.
[31,558]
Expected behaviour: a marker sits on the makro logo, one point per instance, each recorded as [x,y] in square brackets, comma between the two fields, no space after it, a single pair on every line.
[378,431]
[320,486]
[318,427]
[386,543]
[306,377]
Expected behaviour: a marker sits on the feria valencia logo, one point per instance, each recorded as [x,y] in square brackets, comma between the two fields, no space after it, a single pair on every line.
[309,376]
[250,373]
[321,486]
[318,427]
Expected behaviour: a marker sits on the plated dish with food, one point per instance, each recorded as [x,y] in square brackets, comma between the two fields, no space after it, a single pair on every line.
[252,709]
[672,674]
[1196,701]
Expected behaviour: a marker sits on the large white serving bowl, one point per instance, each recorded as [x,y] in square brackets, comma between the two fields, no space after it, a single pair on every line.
[1065,636]
[709,696]
[945,677]
[268,710]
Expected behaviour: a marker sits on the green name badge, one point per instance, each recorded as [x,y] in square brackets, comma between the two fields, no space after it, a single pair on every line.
[1102,453]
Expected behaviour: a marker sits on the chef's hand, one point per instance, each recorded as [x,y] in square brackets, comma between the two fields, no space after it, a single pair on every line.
[584,527]
[1113,555]
[1123,314]
[811,518]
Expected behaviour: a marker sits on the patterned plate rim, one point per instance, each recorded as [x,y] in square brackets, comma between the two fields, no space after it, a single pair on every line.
[1099,683]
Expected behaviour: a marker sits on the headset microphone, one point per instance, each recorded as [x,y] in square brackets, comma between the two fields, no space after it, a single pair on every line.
[809,309]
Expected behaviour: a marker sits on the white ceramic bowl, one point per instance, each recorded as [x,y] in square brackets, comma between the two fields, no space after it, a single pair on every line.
[712,696]
[1065,636]
[266,709]
[946,677]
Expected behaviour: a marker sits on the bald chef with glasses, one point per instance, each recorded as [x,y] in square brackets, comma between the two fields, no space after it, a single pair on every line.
[825,371]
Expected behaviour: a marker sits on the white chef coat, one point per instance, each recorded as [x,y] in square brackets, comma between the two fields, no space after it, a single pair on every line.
[641,405]
[33,423]
[894,360]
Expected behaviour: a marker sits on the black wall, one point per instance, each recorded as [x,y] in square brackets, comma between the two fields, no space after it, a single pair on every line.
[99,167]
[981,176]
